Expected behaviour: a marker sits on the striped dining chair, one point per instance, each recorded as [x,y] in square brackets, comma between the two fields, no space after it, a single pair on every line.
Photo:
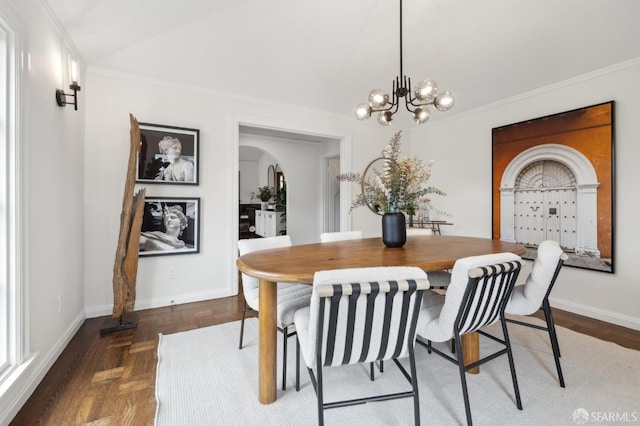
[476,297]
[361,315]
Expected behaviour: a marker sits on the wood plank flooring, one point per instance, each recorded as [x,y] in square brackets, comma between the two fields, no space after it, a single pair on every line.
[109,379]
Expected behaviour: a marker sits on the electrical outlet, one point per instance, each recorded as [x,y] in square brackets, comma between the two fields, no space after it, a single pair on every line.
[172,273]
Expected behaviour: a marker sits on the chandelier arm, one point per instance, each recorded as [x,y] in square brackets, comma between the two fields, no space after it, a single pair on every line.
[416,103]
[408,104]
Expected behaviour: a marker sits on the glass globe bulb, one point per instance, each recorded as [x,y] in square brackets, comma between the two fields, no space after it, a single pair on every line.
[378,98]
[385,118]
[363,111]
[444,101]
[426,90]
[421,115]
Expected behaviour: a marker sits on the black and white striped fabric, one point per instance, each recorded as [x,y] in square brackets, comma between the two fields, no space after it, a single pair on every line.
[476,297]
[370,317]
[487,293]
[362,315]
[439,313]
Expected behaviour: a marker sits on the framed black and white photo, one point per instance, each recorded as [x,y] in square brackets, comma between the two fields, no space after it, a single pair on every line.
[168,155]
[170,226]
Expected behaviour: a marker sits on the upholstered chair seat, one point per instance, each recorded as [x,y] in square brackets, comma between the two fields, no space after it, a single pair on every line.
[291,297]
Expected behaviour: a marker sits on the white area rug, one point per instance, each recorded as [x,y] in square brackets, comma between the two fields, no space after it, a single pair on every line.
[203,379]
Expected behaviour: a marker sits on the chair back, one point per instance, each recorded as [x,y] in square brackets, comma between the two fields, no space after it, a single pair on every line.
[364,314]
[250,284]
[442,328]
[486,295]
[419,231]
[326,237]
[527,299]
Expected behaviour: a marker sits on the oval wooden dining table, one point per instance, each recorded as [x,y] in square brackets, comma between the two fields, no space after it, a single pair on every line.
[299,263]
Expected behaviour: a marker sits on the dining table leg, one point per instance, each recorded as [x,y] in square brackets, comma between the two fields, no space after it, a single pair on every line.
[267,365]
[470,343]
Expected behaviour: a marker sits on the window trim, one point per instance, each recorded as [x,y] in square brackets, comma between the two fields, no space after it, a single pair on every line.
[17,342]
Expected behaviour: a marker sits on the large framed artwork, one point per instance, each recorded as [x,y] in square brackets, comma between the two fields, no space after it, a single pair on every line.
[168,155]
[170,226]
[553,179]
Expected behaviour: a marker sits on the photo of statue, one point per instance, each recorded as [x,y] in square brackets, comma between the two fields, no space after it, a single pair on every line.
[167,155]
[178,169]
[169,226]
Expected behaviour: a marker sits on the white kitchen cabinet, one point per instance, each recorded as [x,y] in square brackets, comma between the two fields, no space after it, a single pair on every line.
[269,223]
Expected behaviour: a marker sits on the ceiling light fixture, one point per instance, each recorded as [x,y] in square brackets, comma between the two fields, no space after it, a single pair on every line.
[425,94]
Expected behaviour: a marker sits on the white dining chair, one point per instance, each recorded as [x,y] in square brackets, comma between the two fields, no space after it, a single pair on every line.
[479,290]
[326,237]
[361,315]
[419,231]
[291,297]
[534,294]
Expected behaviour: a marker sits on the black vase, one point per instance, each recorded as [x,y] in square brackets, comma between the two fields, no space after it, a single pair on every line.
[394,229]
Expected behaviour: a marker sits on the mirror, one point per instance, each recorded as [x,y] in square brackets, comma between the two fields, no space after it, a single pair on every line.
[373,169]
[279,180]
[271,179]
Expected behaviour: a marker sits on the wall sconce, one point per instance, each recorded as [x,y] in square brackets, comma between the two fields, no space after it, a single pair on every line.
[61,97]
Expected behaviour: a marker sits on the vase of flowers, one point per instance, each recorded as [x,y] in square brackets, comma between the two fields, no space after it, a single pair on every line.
[400,187]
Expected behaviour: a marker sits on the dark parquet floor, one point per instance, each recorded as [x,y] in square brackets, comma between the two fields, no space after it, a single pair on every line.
[109,379]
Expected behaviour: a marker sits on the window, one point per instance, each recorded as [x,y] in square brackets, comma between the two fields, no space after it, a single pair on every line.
[11,339]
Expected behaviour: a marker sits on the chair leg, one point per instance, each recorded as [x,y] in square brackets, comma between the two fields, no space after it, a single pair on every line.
[297,364]
[554,340]
[319,397]
[244,311]
[371,371]
[463,380]
[414,385]
[285,333]
[511,363]
[381,367]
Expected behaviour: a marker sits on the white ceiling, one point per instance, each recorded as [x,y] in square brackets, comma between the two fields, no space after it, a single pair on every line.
[329,54]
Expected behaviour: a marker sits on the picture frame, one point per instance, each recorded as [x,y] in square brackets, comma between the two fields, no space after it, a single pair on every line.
[170,226]
[553,179]
[168,155]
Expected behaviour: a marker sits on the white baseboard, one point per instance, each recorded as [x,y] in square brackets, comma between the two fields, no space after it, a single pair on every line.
[160,302]
[600,314]
[29,375]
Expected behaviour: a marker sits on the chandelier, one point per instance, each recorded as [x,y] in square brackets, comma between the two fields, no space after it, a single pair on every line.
[424,94]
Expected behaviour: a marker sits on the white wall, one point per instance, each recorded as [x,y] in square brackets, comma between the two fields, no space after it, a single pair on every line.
[248,181]
[212,272]
[461,147]
[51,143]
[301,163]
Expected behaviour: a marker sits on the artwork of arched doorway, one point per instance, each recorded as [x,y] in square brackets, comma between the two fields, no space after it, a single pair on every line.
[550,192]
[545,204]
